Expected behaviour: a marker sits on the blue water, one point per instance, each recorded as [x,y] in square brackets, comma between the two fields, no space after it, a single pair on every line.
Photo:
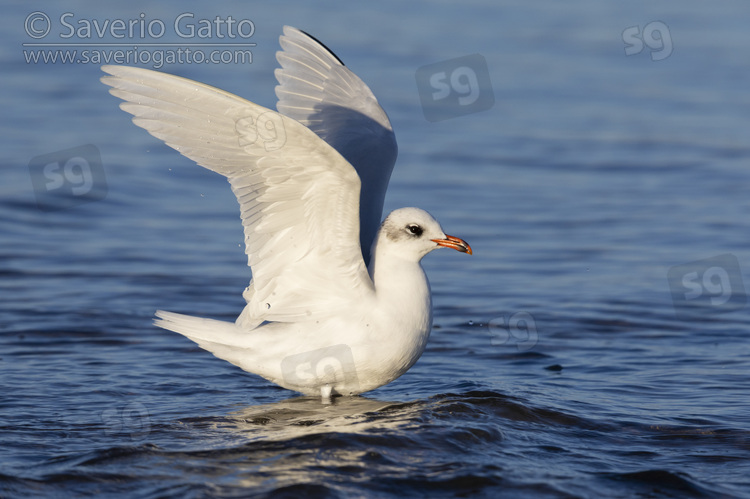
[563,361]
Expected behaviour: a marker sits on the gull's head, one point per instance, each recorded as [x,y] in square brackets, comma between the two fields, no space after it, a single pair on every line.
[412,233]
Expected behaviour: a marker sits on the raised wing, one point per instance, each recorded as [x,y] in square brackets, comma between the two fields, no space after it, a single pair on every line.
[316,89]
[298,197]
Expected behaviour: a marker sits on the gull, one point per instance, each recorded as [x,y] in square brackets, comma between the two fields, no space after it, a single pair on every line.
[338,303]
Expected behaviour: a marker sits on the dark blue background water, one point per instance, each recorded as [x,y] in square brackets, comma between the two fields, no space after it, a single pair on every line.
[559,365]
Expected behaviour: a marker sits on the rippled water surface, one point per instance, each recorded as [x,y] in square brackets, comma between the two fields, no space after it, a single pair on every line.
[595,345]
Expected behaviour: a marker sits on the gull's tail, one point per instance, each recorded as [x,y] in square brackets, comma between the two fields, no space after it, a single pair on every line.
[225,340]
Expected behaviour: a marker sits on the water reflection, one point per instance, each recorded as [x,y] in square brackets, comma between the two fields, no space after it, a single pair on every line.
[301,416]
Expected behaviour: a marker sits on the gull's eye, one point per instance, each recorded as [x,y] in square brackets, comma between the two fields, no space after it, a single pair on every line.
[414,229]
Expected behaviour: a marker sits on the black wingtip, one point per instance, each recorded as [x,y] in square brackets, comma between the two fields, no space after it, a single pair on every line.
[325,47]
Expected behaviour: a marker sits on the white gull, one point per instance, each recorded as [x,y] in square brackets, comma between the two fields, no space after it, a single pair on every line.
[338,303]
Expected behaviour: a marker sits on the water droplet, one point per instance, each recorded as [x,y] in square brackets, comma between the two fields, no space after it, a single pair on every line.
[471,323]
[268,306]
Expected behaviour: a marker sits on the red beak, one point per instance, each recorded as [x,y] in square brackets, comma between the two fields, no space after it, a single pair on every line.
[456,243]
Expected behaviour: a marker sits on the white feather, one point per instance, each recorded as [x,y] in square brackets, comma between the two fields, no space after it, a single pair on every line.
[316,89]
[297,235]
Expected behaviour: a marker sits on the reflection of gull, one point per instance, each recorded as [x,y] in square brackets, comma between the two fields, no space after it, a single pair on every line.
[318,319]
[304,416]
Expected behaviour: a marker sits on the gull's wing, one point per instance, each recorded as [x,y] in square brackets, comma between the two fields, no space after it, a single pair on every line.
[316,89]
[299,198]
